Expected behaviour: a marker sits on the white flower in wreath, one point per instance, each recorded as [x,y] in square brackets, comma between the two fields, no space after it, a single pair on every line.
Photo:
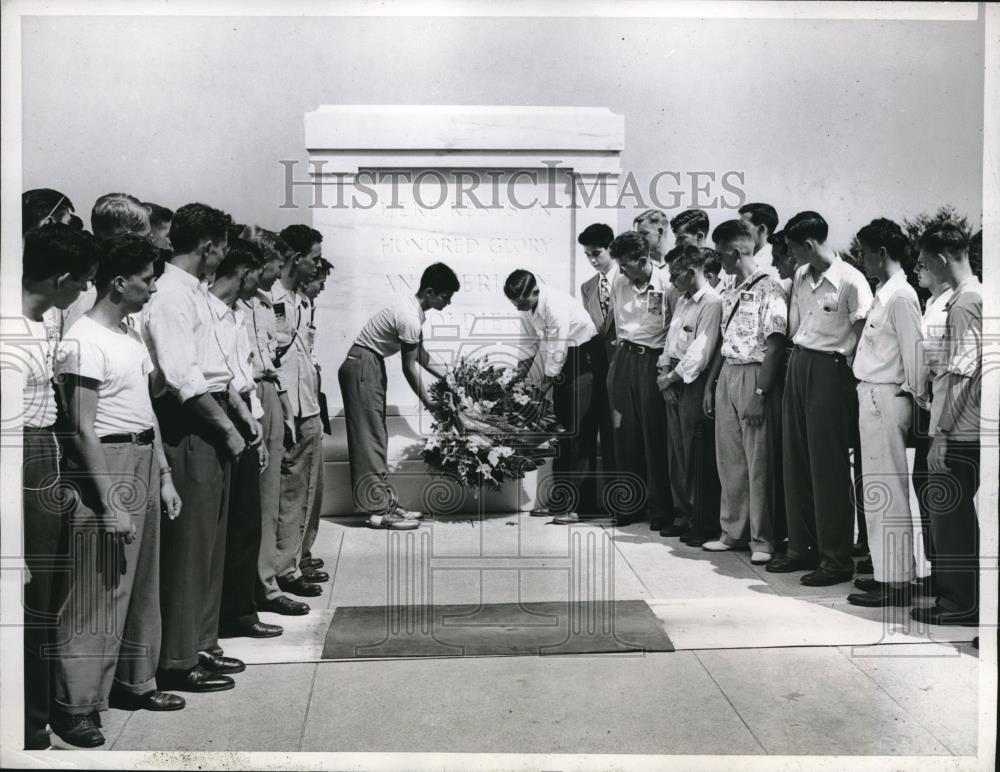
[505,452]
[506,377]
[475,442]
[522,399]
[487,405]
[433,443]
[484,470]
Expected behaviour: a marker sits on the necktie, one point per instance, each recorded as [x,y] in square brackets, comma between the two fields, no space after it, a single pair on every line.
[604,295]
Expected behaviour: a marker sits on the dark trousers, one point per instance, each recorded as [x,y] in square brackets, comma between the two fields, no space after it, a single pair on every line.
[922,480]
[775,466]
[193,547]
[596,432]
[955,529]
[243,532]
[46,557]
[818,410]
[683,417]
[640,427]
[705,483]
[572,392]
[109,625]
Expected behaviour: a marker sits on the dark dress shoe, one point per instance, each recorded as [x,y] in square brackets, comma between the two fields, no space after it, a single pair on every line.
[675,529]
[299,587]
[197,679]
[694,541]
[316,563]
[315,577]
[80,731]
[865,566]
[824,577]
[283,605]
[868,585]
[217,663]
[785,564]
[935,615]
[620,521]
[154,700]
[256,630]
[880,598]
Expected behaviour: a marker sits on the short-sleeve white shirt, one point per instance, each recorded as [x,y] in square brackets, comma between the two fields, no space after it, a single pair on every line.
[120,363]
[386,331]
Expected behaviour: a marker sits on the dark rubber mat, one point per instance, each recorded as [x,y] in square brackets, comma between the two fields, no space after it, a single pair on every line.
[527,629]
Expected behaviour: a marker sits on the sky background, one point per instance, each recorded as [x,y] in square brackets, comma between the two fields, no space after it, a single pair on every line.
[855,119]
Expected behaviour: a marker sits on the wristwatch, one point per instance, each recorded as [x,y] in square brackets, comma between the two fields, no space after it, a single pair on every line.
[760,392]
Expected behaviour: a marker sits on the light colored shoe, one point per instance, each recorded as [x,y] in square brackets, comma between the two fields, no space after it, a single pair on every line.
[566,519]
[760,558]
[540,512]
[716,546]
[393,522]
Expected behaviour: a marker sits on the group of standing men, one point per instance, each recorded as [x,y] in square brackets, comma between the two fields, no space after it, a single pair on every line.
[183,385]
[730,386]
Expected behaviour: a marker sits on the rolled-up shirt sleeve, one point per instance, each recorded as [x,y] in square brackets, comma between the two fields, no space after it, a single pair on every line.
[556,335]
[859,299]
[904,316]
[168,331]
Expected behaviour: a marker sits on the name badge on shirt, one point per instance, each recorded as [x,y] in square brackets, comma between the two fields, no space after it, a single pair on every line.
[654,303]
[279,311]
[746,297]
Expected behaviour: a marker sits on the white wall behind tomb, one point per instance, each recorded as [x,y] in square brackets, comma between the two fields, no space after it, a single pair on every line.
[853,118]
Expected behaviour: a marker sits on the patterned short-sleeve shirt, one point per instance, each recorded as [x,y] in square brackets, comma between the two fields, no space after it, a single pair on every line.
[762,312]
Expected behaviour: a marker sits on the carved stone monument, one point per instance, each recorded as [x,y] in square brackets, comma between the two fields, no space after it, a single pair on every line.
[483,189]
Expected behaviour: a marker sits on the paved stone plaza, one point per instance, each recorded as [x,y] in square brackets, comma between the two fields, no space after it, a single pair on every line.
[763,665]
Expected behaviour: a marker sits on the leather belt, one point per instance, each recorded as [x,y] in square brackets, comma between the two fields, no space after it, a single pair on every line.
[638,348]
[222,397]
[144,437]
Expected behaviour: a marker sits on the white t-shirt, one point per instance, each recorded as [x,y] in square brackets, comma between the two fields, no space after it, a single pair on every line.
[120,363]
[394,325]
[30,346]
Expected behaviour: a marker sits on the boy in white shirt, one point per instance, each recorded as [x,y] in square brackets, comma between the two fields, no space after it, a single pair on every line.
[59,263]
[395,328]
[122,479]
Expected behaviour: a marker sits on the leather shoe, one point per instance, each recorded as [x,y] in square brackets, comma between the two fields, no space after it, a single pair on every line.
[865,566]
[218,663]
[620,521]
[675,529]
[925,585]
[785,564]
[299,587]
[283,605]
[316,563]
[658,524]
[824,577]
[80,731]
[886,596]
[313,576]
[868,585]
[154,700]
[256,630]
[694,541]
[935,615]
[197,679]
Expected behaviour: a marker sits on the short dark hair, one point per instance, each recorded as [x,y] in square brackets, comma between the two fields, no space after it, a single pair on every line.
[39,203]
[58,249]
[730,230]
[240,253]
[882,232]
[519,284]
[778,242]
[807,225]
[945,238]
[126,255]
[976,254]
[629,245]
[690,257]
[75,222]
[440,278]
[713,263]
[596,235]
[193,223]
[271,245]
[158,215]
[674,252]
[301,238]
[761,214]
[695,220]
